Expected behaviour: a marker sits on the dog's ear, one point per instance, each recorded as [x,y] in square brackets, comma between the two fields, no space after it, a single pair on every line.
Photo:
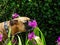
[13,22]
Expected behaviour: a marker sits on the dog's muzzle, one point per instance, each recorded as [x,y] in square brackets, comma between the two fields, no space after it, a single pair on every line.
[27,27]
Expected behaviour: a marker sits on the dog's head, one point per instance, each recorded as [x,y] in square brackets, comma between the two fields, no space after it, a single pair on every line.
[19,24]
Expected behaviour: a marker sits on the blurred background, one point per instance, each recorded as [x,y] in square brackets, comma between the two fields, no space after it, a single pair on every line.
[46,13]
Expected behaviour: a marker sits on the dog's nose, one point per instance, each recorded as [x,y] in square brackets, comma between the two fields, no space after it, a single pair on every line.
[27,27]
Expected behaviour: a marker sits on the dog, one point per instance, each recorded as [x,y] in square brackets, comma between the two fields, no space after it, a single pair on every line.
[16,25]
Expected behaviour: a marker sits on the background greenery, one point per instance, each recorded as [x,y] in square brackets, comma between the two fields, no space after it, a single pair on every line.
[46,12]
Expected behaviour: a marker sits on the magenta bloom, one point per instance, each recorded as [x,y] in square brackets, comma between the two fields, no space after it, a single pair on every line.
[58,43]
[31,35]
[32,23]
[1,37]
[15,15]
[58,40]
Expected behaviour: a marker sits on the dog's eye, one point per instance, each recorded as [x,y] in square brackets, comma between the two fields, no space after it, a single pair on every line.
[12,22]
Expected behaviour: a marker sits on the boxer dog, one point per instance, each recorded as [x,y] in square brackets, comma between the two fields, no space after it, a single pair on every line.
[16,25]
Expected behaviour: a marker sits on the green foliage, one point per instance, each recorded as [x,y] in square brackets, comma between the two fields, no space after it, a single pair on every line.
[39,40]
[46,12]
[38,32]
[9,43]
[20,43]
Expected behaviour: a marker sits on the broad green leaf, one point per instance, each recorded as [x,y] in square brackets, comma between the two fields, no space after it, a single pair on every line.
[20,43]
[9,43]
[38,40]
[36,31]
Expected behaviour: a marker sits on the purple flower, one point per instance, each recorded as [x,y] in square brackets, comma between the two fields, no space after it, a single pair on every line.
[32,23]
[15,15]
[58,40]
[58,43]
[31,35]
[1,37]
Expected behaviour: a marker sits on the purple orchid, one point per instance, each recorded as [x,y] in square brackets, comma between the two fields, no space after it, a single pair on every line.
[58,43]
[31,35]
[58,40]
[15,15]
[1,36]
[32,23]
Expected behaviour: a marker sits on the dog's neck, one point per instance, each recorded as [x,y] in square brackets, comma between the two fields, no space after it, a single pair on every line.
[13,28]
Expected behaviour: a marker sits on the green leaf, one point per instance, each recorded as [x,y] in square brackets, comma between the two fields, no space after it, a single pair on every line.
[9,32]
[38,40]
[9,43]
[20,43]
[37,31]
[27,42]
[26,39]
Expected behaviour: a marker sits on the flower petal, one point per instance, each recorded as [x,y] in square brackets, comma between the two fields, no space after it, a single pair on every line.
[1,37]
[15,15]
[32,23]
[58,40]
[31,35]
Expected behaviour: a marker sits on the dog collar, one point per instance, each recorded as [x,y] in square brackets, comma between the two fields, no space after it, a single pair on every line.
[6,27]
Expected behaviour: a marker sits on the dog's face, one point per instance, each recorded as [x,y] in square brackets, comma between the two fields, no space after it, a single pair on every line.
[18,24]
